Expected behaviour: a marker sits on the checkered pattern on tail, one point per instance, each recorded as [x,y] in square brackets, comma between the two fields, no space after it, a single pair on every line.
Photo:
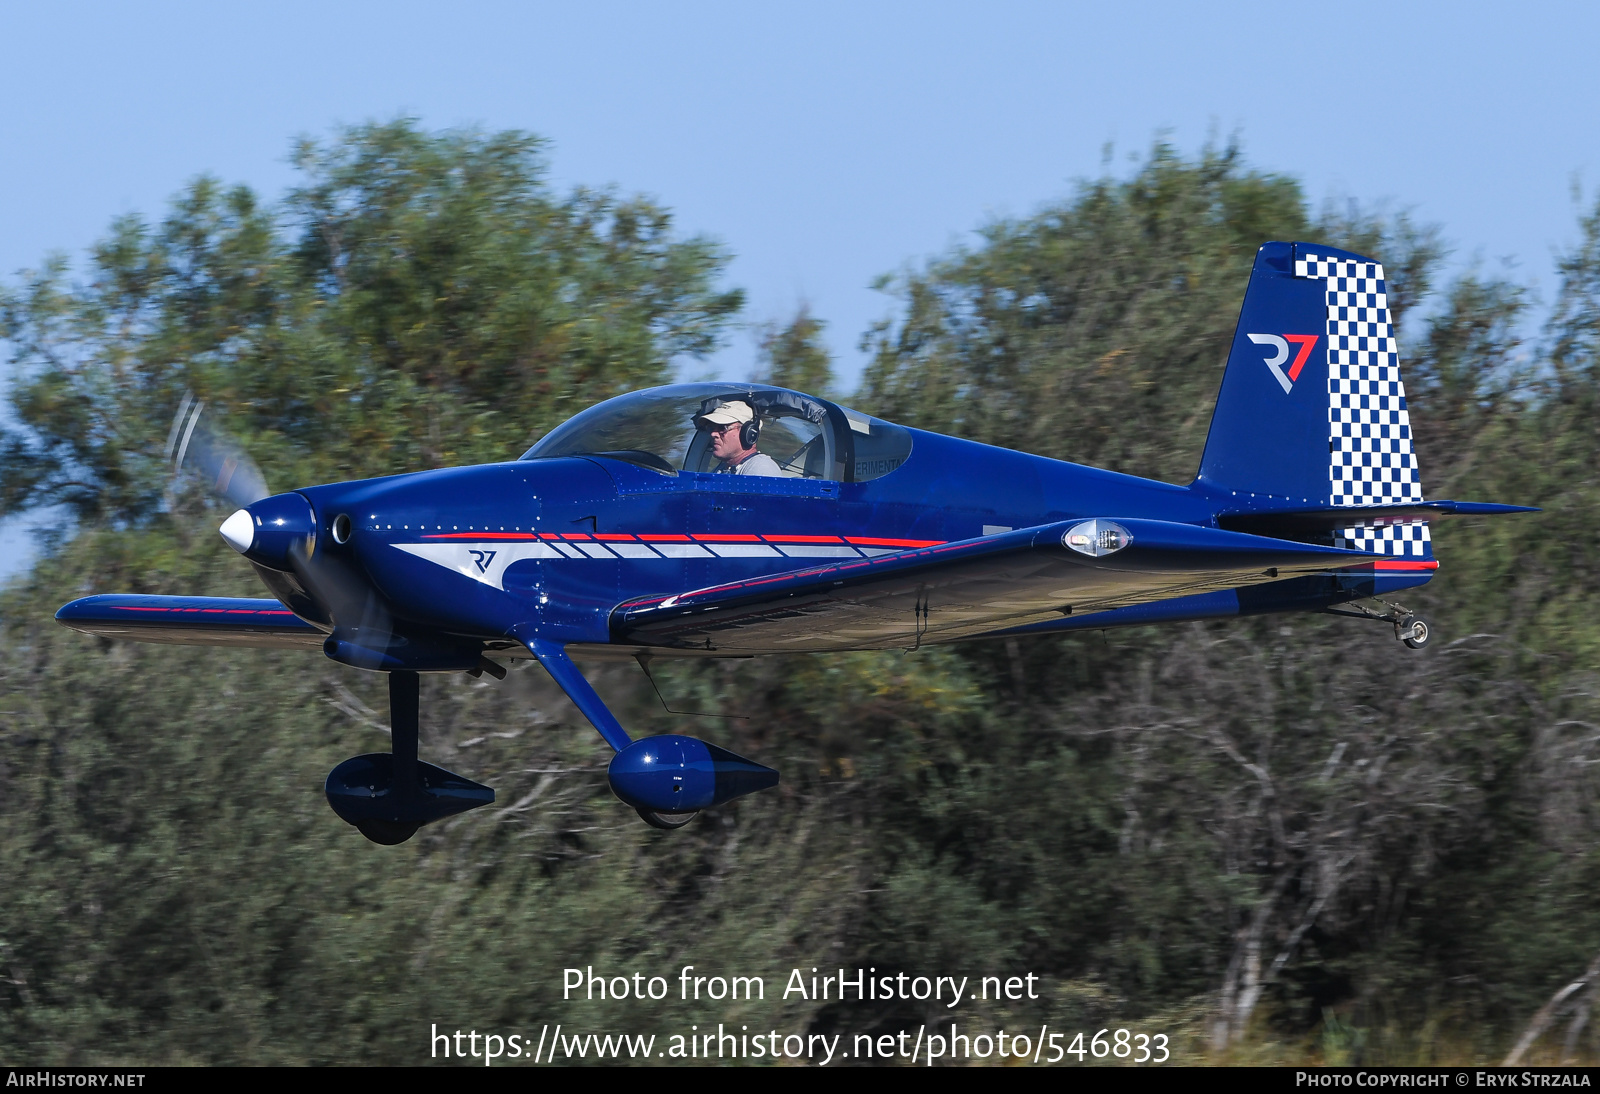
[1401,538]
[1369,429]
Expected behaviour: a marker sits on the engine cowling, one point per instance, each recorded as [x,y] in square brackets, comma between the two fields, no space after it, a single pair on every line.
[675,774]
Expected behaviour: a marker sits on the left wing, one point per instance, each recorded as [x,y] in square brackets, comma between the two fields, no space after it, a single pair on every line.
[956,590]
[191,620]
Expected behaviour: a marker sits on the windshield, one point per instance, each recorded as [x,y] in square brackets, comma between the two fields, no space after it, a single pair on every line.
[653,428]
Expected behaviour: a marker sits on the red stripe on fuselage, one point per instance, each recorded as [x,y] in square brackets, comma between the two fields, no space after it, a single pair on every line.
[484,535]
[873,541]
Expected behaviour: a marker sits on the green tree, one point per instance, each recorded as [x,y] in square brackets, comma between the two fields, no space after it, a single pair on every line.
[1096,329]
[421,300]
[794,355]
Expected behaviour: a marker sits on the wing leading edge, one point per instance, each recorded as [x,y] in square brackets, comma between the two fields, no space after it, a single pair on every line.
[957,590]
[191,621]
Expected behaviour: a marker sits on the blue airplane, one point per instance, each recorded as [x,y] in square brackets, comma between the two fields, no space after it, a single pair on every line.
[734,520]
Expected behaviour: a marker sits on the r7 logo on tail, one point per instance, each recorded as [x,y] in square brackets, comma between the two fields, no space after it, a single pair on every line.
[1280,342]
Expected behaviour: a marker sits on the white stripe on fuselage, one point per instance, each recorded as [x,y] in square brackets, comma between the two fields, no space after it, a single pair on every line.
[485,561]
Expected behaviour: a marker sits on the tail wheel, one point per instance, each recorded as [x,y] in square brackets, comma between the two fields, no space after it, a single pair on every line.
[1414,631]
[667,821]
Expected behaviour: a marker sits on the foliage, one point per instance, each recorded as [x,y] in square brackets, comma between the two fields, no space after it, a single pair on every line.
[1274,839]
[795,356]
[1096,330]
[422,300]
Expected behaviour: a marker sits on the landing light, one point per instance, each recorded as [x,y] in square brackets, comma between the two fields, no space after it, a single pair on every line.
[1096,538]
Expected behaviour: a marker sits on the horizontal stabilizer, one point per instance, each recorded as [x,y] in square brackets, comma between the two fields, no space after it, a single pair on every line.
[191,621]
[956,590]
[1291,522]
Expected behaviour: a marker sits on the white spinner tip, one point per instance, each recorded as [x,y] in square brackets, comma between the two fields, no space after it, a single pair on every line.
[239,530]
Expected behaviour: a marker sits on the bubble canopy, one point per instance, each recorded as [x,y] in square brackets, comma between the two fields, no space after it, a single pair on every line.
[656,428]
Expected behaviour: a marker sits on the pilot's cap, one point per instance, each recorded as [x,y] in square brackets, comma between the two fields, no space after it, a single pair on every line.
[732,412]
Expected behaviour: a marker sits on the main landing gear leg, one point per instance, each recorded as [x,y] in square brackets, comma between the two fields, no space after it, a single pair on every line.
[553,656]
[667,779]
[405,702]
[1409,627]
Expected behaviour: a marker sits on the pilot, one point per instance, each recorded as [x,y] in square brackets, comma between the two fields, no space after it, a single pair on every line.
[733,426]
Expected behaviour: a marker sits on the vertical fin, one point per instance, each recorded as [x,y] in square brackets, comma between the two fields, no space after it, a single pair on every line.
[1312,411]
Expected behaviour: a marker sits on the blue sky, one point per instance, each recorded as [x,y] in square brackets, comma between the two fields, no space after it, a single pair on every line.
[823,144]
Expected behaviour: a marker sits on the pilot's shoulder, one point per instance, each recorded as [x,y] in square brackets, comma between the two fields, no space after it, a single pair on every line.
[759,464]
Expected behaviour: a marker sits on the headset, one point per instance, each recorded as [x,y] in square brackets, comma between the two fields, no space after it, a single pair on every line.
[750,431]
